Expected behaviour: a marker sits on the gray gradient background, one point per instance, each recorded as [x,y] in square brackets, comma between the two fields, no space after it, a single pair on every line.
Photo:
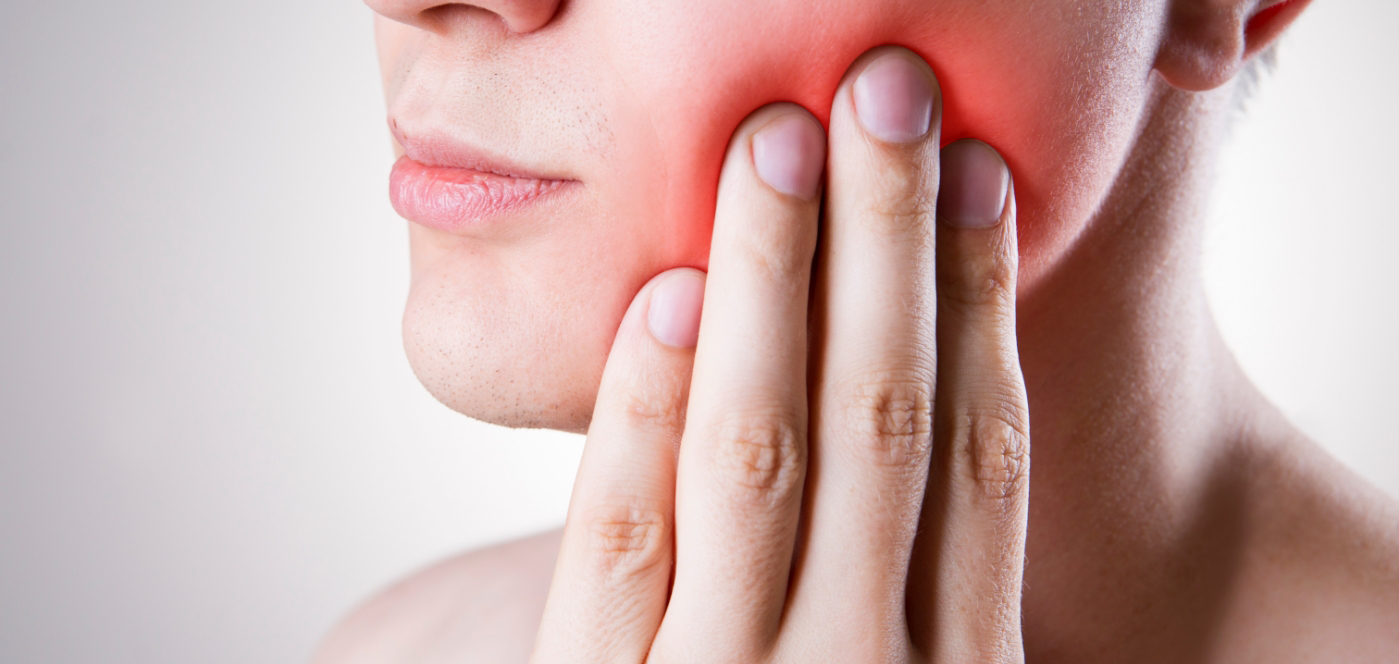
[210,443]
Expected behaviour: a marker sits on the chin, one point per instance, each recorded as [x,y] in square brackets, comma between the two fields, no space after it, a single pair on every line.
[507,355]
[494,376]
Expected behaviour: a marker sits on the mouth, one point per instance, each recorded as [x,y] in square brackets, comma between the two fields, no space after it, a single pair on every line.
[454,188]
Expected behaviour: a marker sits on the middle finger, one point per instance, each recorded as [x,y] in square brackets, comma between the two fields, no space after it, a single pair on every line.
[874,357]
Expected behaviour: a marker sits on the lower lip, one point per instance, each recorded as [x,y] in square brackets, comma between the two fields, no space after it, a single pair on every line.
[458,199]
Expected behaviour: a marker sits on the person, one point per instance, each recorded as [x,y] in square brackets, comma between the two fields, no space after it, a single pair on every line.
[819,280]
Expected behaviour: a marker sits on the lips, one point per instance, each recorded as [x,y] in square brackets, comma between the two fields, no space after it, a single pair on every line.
[451,188]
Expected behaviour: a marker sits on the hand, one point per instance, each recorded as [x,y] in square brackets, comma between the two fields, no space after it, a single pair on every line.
[806,496]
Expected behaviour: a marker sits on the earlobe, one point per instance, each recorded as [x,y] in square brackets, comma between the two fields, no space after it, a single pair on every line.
[1268,22]
[1206,42]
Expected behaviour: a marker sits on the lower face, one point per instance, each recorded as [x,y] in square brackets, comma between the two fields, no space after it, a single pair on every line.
[630,103]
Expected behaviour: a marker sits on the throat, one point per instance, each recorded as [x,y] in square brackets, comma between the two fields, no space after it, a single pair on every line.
[1138,411]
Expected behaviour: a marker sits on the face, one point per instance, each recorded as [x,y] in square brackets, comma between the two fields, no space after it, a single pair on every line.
[590,136]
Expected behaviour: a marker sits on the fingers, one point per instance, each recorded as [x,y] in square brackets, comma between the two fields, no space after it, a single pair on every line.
[744,452]
[901,302]
[611,581]
[874,354]
[964,598]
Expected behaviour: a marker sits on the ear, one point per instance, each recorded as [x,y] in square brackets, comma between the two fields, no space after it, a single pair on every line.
[1206,42]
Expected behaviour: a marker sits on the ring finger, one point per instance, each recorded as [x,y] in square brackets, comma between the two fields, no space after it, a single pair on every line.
[970,551]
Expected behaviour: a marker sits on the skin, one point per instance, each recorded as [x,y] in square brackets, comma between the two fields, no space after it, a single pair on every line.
[1173,514]
[644,128]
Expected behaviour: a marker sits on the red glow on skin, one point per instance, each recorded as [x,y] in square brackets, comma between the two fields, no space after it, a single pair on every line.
[803,62]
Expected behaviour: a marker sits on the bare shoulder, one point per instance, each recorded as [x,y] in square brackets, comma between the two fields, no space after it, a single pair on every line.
[483,606]
[1321,580]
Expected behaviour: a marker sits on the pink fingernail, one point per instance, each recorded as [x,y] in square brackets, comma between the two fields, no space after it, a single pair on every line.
[674,313]
[894,99]
[789,154]
[974,181]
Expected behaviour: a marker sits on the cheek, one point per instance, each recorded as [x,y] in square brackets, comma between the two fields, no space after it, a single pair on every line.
[1057,99]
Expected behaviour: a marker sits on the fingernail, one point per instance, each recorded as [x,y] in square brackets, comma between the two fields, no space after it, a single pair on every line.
[894,99]
[972,193]
[674,314]
[789,154]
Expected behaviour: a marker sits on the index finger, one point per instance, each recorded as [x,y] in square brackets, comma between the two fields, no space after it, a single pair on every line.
[611,579]
[742,459]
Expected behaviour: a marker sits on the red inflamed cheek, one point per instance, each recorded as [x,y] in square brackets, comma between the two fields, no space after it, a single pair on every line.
[688,86]
[696,123]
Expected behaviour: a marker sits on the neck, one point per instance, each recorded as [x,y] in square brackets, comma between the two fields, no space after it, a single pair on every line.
[1136,406]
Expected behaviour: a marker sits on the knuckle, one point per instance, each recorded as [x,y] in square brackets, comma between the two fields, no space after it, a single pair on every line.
[901,202]
[890,420]
[992,447]
[980,280]
[760,456]
[626,538]
[779,248]
[655,408]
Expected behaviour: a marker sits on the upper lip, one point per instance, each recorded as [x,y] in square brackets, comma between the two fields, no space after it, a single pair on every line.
[437,149]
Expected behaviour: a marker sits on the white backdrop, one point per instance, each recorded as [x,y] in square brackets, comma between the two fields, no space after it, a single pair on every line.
[210,443]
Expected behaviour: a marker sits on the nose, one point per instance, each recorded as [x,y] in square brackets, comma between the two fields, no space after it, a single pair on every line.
[520,16]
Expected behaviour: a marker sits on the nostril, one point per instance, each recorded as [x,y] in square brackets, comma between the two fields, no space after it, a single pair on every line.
[522,16]
[460,17]
[518,16]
